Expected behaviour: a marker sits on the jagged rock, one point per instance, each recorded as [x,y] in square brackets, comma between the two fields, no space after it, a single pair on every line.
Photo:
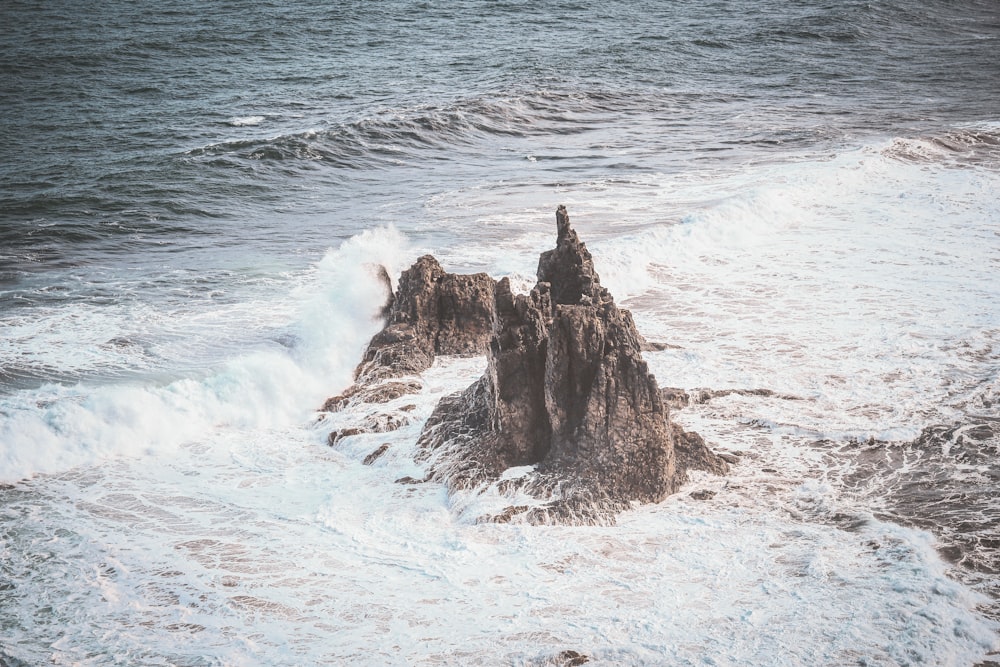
[706,395]
[652,346]
[374,456]
[340,434]
[382,392]
[675,398]
[566,390]
[381,422]
[571,658]
[693,453]
[409,480]
[432,312]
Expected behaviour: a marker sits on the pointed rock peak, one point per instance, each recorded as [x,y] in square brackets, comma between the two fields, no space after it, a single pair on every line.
[569,268]
[562,223]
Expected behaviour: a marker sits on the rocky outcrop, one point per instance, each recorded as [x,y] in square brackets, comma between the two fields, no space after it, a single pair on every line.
[567,392]
[432,312]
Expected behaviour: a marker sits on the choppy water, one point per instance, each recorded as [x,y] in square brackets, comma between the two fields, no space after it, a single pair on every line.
[802,199]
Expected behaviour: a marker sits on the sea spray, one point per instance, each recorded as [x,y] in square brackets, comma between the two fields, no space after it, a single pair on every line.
[56,427]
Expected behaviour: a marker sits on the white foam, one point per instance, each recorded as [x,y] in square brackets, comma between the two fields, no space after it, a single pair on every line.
[246,121]
[56,427]
[309,557]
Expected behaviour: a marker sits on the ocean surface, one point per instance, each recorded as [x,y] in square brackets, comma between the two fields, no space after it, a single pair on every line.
[798,197]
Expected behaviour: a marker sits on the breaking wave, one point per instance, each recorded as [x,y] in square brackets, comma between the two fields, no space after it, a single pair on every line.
[57,426]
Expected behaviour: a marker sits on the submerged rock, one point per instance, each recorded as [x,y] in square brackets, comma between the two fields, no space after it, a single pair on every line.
[567,392]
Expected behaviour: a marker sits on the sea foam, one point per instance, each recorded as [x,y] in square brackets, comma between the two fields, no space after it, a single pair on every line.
[55,427]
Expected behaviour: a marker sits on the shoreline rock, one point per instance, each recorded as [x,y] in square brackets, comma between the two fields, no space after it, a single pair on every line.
[566,414]
[432,312]
[567,392]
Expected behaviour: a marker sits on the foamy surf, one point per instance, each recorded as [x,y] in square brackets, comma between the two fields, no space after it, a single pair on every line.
[55,427]
[302,554]
[795,278]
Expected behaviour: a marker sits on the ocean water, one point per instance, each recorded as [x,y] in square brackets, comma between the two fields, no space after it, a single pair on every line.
[797,197]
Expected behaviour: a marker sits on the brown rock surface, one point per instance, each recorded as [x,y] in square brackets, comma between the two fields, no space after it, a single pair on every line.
[432,312]
[566,390]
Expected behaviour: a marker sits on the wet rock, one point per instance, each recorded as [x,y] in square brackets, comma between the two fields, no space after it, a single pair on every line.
[675,398]
[338,435]
[409,480]
[652,346]
[374,456]
[693,453]
[506,516]
[570,658]
[384,422]
[432,312]
[381,392]
[702,494]
[381,422]
[706,395]
[566,391]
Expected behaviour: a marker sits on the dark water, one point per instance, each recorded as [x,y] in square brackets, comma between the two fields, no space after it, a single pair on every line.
[119,118]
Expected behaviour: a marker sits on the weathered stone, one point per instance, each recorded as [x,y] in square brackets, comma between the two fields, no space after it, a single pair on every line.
[675,398]
[570,658]
[506,516]
[338,435]
[651,346]
[382,392]
[384,422]
[409,480]
[693,453]
[706,395]
[374,456]
[380,422]
[432,312]
[566,390]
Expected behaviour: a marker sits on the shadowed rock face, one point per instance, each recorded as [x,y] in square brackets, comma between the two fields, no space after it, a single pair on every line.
[566,390]
[431,313]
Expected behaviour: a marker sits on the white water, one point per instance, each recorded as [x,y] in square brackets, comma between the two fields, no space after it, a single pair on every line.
[203,520]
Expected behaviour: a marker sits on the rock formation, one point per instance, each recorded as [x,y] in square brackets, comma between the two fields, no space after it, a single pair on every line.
[566,391]
[432,312]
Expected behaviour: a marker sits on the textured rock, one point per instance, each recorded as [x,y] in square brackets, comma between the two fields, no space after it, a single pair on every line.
[381,392]
[566,391]
[432,312]
[376,454]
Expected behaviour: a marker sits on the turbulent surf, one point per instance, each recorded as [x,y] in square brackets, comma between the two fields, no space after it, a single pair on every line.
[797,204]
